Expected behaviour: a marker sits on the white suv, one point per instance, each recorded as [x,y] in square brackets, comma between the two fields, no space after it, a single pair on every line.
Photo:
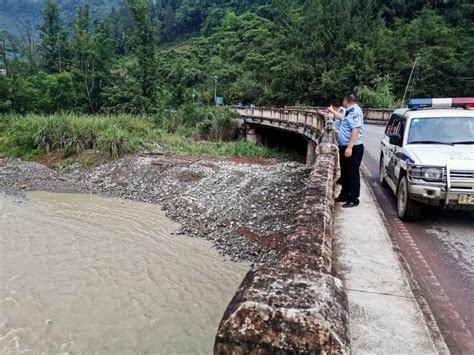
[427,155]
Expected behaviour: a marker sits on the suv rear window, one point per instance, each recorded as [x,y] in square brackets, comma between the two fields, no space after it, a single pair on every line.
[441,130]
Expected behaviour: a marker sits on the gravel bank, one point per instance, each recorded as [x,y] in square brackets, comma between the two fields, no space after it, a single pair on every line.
[244,209]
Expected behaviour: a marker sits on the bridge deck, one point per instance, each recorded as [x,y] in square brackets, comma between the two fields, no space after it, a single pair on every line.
[310,124]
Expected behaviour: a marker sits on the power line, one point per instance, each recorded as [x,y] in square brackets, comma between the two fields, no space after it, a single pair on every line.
[471,78]
[452,77]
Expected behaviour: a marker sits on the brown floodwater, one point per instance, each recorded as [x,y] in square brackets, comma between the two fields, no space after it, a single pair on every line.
[83,274]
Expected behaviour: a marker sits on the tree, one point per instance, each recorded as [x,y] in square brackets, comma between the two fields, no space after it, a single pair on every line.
[169,23]
[143,45]
[30,47]
[84,56]
[53,38]
[105,58]
[440,49]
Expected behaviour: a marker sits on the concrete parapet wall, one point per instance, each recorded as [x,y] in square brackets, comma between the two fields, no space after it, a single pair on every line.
[282,311]
[371,115]
[297,306]
[310,247]
[277,116]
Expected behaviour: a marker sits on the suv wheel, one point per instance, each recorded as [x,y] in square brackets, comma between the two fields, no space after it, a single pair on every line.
[382,174]
[408,209]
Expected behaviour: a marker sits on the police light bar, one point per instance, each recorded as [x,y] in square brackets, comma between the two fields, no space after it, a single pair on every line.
[466,102]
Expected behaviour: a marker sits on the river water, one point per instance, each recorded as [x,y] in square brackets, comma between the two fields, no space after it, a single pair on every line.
[85,274]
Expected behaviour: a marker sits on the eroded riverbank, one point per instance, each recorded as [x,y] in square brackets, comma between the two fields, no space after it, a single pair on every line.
[244,209]
[85,274]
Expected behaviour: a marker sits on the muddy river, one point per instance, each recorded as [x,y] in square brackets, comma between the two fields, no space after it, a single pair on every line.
[85,274]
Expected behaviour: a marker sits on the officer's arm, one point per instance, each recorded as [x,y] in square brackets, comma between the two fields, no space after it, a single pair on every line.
[335,113]
[354,133]
[339,116]
[355,121]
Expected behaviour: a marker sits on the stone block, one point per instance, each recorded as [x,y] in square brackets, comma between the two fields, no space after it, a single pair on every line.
[286,311]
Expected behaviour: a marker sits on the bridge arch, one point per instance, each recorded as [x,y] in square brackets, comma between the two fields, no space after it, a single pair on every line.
[309,124]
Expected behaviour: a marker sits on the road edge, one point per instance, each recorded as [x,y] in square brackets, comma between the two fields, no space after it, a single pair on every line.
[433,329]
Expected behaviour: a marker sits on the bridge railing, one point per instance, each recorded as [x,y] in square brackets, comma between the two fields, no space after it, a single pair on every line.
[371,115]
[313,120]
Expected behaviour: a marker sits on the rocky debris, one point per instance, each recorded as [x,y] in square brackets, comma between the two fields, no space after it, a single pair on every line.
[212,199]
[295,306]
[151,149]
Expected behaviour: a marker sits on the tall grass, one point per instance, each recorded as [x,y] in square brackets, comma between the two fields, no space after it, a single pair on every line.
[70,134]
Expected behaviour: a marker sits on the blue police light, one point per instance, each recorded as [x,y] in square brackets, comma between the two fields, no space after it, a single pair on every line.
[464,102]
[418,103]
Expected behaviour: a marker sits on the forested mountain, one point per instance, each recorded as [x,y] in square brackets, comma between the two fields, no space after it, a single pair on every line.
[151,55]
[16,14]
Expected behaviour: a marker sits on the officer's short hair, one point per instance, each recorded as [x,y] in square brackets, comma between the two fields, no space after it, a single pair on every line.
[336,103]
[350,97]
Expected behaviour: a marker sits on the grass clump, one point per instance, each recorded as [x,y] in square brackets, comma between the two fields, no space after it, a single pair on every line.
[113,136]
[240,148]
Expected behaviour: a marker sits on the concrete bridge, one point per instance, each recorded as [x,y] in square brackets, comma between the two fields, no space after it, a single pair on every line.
[307,123]
[297,305]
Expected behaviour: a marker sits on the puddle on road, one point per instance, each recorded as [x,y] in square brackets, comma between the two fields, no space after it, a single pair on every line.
[85,274]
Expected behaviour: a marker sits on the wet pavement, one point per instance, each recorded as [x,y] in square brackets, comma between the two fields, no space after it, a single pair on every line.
[385,317]
[438,249]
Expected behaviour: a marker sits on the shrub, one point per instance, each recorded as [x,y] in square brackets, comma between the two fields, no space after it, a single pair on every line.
[116,142]
[218,125]
[381,96]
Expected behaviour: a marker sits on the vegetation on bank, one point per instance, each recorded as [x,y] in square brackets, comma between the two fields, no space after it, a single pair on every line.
[136,76]
[192,131]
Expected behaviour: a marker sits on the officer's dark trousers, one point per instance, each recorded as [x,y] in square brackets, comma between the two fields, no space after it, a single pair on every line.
[350,174]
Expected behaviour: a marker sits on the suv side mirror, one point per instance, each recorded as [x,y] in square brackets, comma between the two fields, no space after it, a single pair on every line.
[395,139]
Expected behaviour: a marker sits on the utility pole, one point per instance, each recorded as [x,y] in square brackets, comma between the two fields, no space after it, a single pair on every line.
[411,75]
[3,54]
[215,78]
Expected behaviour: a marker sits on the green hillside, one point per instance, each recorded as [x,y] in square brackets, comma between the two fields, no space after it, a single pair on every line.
[151,56]
[16,14]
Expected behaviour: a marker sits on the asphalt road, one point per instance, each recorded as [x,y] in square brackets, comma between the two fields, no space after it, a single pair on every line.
[439,250]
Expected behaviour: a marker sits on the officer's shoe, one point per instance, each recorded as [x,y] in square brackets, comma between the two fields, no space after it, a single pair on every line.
[342,198]
[350,204]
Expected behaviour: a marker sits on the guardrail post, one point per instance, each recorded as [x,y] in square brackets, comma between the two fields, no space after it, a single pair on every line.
[310,153]
[252,135]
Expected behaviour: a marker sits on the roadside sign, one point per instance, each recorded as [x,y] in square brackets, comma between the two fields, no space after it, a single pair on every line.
[219,100]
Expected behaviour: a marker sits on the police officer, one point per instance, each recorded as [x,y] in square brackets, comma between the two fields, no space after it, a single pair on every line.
[351,149]
[337,106]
